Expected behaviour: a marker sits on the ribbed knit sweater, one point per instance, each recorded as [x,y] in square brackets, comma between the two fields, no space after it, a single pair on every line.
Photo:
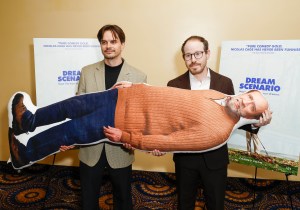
[172,119]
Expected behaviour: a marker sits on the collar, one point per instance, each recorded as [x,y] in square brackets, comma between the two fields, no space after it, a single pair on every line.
[193,78]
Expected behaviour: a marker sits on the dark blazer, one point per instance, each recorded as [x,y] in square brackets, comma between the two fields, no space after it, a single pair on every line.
[217,158]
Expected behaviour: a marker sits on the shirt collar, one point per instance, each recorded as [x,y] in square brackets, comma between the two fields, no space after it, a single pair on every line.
[200,85]
[193,78]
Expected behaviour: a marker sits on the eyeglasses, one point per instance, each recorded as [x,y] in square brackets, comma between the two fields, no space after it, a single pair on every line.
[197,55]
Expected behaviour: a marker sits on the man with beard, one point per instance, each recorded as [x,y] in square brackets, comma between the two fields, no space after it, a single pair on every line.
[115,158]
[208,168]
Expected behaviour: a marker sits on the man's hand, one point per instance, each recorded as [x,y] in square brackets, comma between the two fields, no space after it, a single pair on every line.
[113,134]
[128,146]
[158,153]
[123,84]
[64,148]
[265,119]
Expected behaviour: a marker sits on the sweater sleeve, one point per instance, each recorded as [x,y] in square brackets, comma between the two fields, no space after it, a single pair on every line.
[198,138]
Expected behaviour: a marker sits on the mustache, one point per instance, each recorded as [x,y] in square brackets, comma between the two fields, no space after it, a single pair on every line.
[194,64]
[109,49]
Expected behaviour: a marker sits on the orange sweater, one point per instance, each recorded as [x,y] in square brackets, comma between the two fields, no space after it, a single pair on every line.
[171,119]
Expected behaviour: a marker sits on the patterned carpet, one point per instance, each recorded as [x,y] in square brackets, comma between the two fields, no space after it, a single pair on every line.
[58,187]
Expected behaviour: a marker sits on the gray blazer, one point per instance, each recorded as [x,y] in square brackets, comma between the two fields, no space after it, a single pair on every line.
[92,79]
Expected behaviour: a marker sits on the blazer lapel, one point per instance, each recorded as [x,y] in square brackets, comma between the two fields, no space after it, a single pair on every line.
[125,73]
[214,79]
[100,77]
[185,81]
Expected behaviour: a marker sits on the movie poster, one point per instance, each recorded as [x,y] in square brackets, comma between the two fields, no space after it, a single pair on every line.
[273,67]
[58,62]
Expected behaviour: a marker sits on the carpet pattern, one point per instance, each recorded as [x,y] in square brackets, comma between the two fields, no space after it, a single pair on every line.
[58,187]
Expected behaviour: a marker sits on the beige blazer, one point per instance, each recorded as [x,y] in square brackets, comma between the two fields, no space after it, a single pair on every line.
[92,79]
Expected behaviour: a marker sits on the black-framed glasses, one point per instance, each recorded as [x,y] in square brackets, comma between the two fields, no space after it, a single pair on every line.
[197,55]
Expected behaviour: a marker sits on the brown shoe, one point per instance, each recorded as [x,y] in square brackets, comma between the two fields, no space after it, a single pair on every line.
[16,151]
[18,109]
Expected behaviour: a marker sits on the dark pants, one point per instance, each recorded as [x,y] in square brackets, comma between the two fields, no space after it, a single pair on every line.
[87,113]
[188,178]
[91,180]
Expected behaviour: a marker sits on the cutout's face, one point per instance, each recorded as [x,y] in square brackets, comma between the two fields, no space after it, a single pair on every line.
[111,46]
[248,105]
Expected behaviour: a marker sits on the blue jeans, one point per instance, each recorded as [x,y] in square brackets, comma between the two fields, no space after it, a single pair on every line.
[87,113]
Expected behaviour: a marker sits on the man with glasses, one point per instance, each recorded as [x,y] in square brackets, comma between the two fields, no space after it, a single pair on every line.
[209,168]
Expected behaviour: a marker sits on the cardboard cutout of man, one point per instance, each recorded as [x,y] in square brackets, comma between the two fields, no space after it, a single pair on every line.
[143,116]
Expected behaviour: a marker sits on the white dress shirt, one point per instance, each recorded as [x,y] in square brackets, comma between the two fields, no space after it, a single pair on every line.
[200,85]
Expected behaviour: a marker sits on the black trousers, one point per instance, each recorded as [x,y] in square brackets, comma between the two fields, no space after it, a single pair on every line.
[191,173]
[91,180]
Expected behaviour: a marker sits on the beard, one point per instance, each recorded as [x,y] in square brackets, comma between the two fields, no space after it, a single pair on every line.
[231,109]
[231,105]
[110,57]
[196,71]
[113,53]
[197,68]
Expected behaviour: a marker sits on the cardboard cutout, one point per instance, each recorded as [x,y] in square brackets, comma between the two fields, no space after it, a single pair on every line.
[163,118]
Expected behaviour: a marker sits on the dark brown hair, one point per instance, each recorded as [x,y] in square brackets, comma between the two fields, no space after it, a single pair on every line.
[114,29]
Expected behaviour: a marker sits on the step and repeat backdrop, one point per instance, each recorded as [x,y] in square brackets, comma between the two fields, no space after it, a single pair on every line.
[271,66]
